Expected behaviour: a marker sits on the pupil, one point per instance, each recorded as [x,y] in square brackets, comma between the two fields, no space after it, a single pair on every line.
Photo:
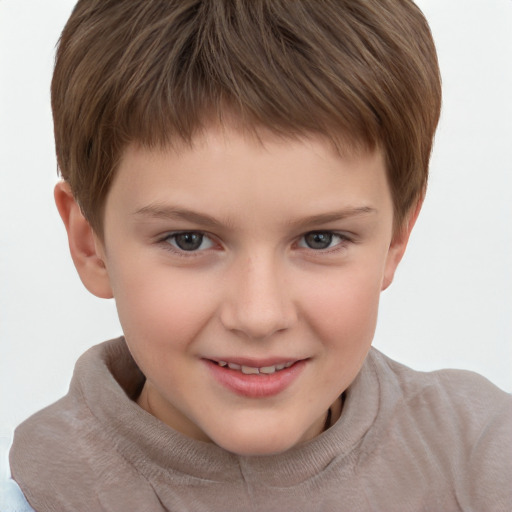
[189,241]
[318,240]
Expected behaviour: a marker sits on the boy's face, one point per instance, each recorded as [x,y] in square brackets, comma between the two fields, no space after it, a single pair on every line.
[254,253]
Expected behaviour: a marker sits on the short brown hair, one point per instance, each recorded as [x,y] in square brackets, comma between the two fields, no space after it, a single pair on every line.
[154,71]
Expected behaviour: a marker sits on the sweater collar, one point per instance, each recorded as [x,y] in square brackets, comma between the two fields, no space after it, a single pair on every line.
[107,379]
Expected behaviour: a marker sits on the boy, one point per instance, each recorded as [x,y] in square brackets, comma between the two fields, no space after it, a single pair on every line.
[243,178]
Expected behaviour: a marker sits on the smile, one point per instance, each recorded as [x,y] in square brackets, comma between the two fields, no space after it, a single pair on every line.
[251,370]
[260,379]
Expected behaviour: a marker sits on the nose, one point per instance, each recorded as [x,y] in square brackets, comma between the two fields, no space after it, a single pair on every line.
[259,302]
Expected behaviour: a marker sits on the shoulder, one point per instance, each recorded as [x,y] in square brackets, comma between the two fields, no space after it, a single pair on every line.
[11,497]
[463,395]
[73,443]
[463,421]
[448,400]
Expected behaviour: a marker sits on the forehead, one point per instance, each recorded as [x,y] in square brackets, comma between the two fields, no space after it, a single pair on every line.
[236,173]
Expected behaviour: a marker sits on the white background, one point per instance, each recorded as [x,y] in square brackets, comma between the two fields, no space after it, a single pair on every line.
[450,305]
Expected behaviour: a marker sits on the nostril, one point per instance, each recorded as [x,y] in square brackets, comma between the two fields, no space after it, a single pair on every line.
[257,325]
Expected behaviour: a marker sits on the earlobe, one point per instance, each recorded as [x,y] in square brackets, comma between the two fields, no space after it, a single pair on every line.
[399,244]
[85,247]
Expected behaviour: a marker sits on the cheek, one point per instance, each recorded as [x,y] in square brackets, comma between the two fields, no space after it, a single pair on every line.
[162,307]
[344,319]
[343,310]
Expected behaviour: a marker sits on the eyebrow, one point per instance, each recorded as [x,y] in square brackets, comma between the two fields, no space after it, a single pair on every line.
[326,218]
[168,212]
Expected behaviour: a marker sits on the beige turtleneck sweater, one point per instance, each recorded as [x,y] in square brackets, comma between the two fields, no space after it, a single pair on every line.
[405,441]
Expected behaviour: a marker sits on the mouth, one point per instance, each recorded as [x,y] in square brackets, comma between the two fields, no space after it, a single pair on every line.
[256,379]
[255,370]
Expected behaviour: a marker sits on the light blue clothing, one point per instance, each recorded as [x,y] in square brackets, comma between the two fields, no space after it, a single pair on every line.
[11,497]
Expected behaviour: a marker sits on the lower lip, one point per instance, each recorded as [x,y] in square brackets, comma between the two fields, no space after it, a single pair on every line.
[256,386]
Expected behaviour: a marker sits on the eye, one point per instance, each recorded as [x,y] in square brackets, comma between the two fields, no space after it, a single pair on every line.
[189,241]
[321,240]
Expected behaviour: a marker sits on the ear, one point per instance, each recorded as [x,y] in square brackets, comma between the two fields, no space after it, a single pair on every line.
[86,249]
[399,244]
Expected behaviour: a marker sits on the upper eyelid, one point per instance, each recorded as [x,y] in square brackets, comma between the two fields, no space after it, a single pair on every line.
[163,239]
[169,234]
[330,231]
[344,240]
[342,234]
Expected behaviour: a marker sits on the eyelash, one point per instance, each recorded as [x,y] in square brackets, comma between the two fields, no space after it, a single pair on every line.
[343,241]
[342,238]
[165,241]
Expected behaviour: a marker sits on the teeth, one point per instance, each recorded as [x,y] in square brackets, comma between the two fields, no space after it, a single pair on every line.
[249,370]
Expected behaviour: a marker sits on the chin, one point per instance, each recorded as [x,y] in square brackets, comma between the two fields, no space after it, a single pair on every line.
[258,442]
[257,448]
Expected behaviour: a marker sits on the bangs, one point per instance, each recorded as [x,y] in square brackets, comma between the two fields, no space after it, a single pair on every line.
[362,74]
